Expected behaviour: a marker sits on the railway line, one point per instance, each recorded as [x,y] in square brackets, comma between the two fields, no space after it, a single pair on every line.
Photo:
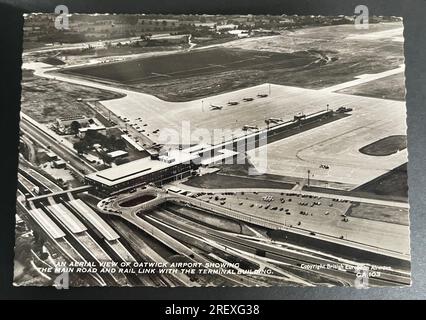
[61,220]
[54,233]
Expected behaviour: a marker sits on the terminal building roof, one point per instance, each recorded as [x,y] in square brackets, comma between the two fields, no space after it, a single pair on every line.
[140,168]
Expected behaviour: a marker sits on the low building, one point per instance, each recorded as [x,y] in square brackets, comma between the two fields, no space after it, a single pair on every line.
[65,122]
[92,127]
[51,156]
[92,158]
[97,147]
[117,154]
[226,27]
[59,164]
[240,33]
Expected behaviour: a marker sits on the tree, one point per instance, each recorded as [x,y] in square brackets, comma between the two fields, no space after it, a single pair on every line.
[75,125]
[80,146]
[120,144]
[105,158]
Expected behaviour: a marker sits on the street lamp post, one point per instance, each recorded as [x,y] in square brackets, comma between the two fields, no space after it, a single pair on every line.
[309,173]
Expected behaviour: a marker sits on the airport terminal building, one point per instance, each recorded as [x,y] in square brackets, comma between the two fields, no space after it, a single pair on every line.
[143,171]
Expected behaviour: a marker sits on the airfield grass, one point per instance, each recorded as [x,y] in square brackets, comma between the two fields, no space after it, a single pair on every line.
[379,213]
[310,58]
[45,100]
[186,64]
[393,183]
[214,180]
[392,88]
[385,146]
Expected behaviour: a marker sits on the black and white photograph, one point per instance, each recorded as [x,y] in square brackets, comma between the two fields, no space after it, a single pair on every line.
[198,150]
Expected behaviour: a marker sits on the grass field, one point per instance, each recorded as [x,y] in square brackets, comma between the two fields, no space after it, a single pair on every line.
[393,183]
[46,100]
[379,213]
[197,62]
[392,87]
[314,57]
[385,146]
[222,181]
